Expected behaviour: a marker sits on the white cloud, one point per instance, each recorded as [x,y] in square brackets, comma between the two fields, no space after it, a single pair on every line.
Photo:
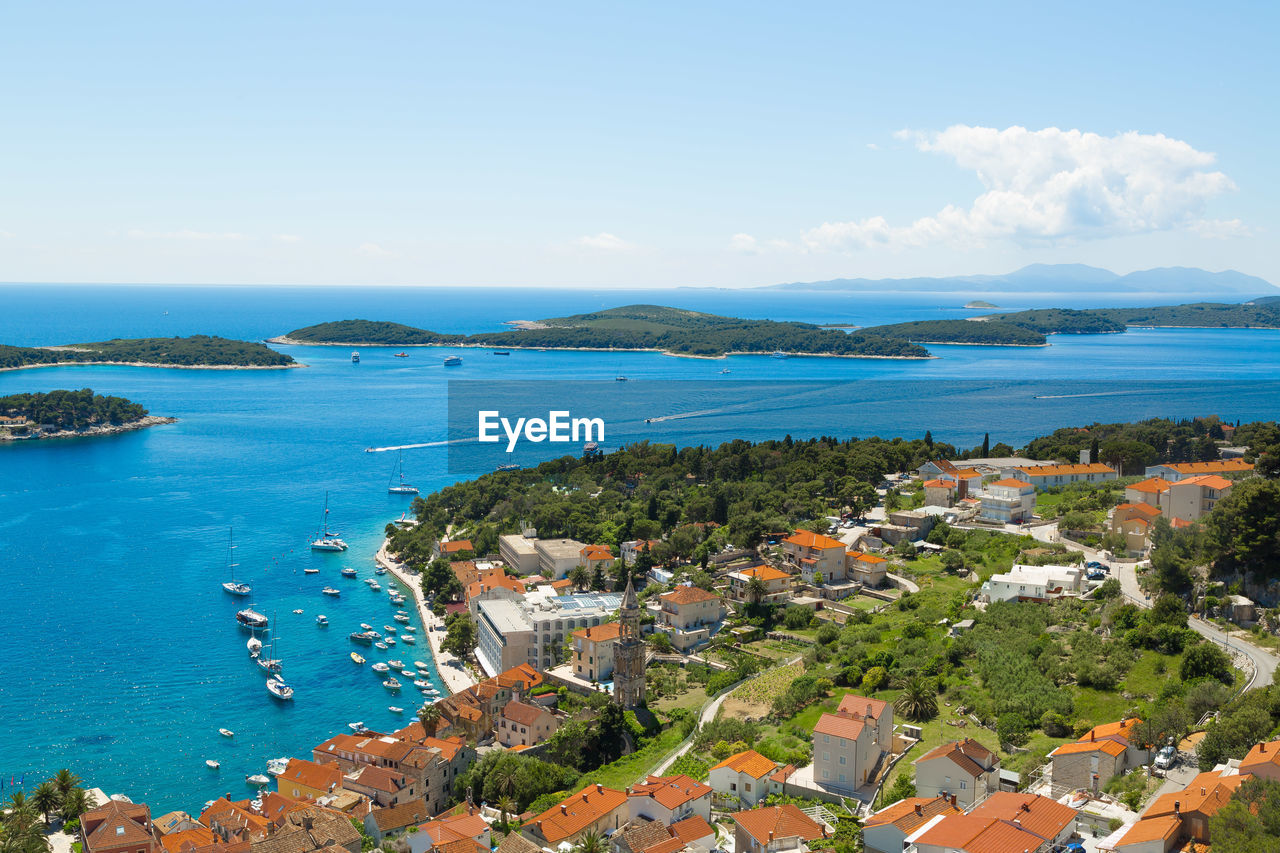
[605,241]
[744,243]
[373,250]
[185,234]
[287,238]
[1051,186]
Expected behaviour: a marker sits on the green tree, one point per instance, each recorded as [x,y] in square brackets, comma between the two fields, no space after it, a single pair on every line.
[46,799]
[1242,533]
[75,802]
[460,636]
[756,590]
[918,700]
[1206,661]
[1250,821]
[902,788]
[590,842]
[580,577]
[429,717]
[64,780]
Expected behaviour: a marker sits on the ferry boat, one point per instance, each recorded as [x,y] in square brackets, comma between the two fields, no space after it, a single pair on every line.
[355,358]
[357,659]
[279,689]
[348,572]
[250,618]
[231,586]
[329,590]
[322,621]
[401,488]
[453,361]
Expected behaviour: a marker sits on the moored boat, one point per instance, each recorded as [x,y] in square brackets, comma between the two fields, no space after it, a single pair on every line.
[396,664]
[258,779]
[226,733]
[390,629]
[380,667]
[391,683]
[380,646]
[278,689]
[231,586]
[327,541]
[420,665]
[355,358]
[401,487]
[329,590]
[360,637]
[255,646]
[356,726]
[401,617]
[251,618]
[322,621]
[277,766]
[357,658]
[395,709]
[380,571]
[401,354]
[390,641]
[453,361]
[298,612]
[408,638]
[311,571]
[211,764]
[348,572]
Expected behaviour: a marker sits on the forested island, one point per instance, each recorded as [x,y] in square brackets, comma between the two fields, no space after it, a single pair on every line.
[64,414]
[987,332]
[1214,315]
[633,327]
[193,351]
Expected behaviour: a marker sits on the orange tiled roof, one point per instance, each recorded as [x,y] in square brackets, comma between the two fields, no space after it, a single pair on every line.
[1205,795]
[525,715]
[1262,755]
[1124,728]
[691,829]
[912,813]
[1151,486]
[1062,470]
[1139,509]
[1209,481]
[596,552]
[688,595]
[838,725]
[776,822]
[1041,815]
[965,473]
[1148,829]
[322,777]
[578,812]
[600,633]
[809,539]
[969,755]
[1110,746]
[765,573]
[399,817]
[860,707]
[186,839]
[456,545]
[750,762]
[1218,466]
[671,792]
[863,557]
[1011,483]
[939,484]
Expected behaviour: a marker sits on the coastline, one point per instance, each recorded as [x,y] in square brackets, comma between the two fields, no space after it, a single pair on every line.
[113,429]
[454,678]
[153,364]
[286,341]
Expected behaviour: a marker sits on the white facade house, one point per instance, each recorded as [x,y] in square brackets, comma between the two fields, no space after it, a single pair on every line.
[1009,501]
[1035,583]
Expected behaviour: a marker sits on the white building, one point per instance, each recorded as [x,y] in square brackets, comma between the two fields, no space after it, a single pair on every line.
[1009,501]
[1035,583]
[533,631]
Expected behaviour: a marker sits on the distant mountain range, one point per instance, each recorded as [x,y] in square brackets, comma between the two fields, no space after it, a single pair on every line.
[1067,278]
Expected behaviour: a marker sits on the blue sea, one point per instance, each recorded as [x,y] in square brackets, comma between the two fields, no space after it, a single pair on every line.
[119,655]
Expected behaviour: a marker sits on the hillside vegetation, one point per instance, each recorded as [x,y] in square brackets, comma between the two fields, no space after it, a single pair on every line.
[71,409]
[194,351]
[634,327]
[989,332]
[1059,321]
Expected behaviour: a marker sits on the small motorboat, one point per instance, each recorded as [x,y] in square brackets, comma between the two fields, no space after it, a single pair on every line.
[322,620]
[409,673]
[279,690]
[381,667]
[355,358]
[381,646]
[211,764]
[422,685]
[375,586]
[348,572]
[380,571]
[408,638]
[356,727]
[361,637]
[401,355]
[255,646]
[420,665]
[390,629]
[396,664]
[409,629]
[453,361]
[501,352]
[365,626]
[391,683]
[258,779]
[298,611]
[311,571]
[401,617]
[395,709]
[329,590]
[226,733]
[390,641]
[357,658]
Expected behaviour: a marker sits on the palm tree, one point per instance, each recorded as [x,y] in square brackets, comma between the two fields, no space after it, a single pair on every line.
[919,699]
[64,780]
[756,590]
[507,807]
[23,839]
[46,799]
[580,576]
[21,814]
[76,802]
[429,716]
[590,842]
[504,776]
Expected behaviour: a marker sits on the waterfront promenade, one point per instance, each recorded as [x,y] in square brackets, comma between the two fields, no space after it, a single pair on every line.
[453,672]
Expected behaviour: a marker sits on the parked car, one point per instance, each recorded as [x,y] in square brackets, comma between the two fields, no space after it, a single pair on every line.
[1096,575]
[1166,757]
[1094,564]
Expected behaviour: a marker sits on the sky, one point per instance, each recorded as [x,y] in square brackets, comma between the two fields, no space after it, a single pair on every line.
[647,144]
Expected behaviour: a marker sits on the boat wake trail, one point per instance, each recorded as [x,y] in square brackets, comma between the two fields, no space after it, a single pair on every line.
[423,444]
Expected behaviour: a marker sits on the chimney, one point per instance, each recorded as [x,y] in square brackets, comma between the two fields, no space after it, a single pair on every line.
[953,801]
[1091,737]
[1202,791]
[868,710]
[599,788]
[1177,808]
[771,836]
[919,809]
[564,809]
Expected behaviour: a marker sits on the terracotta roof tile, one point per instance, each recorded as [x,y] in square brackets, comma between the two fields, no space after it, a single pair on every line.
[691,829]
[1218,466]
[750,762]
[1041,815]
[671,792]
[809,539]
[688,595]
[577,812]
[1151,486]
[600,633]
[779,822]
[912,813]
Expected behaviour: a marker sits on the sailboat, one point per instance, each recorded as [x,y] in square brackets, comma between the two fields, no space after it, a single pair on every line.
[401,488]
[271,665]
[231,586]
[327,541]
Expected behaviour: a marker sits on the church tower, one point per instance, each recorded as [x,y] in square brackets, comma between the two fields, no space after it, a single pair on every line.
[628,654]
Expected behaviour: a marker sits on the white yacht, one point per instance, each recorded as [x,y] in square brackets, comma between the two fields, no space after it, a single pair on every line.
[232,586]
[279,689]
[401,487]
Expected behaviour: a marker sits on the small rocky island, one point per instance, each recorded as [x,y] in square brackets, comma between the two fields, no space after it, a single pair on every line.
[70,414]
[195,351]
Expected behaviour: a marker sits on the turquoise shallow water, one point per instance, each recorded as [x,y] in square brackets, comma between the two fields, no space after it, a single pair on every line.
[120,657]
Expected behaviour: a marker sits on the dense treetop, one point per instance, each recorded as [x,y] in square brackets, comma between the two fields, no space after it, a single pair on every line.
[1053,321]
[71,409]
[991,332]
[194,351]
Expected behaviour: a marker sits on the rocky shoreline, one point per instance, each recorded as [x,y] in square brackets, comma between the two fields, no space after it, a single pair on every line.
[105,429]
